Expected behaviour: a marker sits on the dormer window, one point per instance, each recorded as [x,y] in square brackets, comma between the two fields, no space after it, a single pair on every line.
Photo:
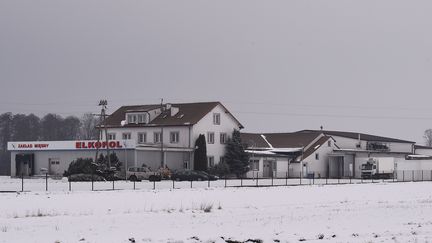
[141,118]
[136,118]
[131,118]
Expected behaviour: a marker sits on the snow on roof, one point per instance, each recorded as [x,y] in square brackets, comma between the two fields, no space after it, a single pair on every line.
[274,151]
[418,156]
[260,152]
[265,139]
[286,150]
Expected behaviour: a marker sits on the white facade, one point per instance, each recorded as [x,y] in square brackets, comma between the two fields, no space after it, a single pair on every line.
[206,126]
[54,157]
[276,165]
[178,154]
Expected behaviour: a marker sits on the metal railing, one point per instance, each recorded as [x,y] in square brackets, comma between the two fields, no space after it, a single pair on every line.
[45,183]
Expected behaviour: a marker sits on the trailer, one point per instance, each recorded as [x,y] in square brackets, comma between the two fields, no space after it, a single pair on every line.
[378,168]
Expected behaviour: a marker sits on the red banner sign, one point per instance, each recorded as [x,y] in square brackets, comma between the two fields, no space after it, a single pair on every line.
[97,145]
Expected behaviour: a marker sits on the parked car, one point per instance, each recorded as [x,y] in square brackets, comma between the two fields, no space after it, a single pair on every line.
[188,175]
[210,177]
[142,173]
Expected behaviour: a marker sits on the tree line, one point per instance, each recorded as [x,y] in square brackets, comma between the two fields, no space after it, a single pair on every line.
[51,127]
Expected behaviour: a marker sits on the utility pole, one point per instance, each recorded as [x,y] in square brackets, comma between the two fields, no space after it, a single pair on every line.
[99,137]
[161,137]
[103,104]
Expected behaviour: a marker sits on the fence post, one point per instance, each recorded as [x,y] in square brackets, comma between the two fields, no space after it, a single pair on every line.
[412,175]
[422,175]
[113,183]
[286,179]
[338,179]
[350,179]
[241,181]
[92,181]
[313,179]
[191,183]
[70,184]
[134,184]
[403,176]
[257,179]
[22,182]
[208,185]
[272,179]
[154,184]
[326,180]
[394,172]
[225,181]
[300,178]
[46,181]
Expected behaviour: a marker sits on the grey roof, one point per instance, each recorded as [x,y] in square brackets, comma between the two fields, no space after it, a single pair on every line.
[188,114]
[422,147]
[355,135]
[278,140]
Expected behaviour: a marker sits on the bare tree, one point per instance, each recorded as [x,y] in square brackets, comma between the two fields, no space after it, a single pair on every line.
[428,137]
[88,126]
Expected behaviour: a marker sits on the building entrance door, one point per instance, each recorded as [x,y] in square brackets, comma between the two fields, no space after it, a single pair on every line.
[268,168]
[54,167]
[24,164]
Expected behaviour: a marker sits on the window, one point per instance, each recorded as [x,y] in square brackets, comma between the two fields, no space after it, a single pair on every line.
[329,143]
[142,137]
[186,164]
[126,136]
[210,137]
[174,137]
[54,161]
[317,156]
[210,160]
[111,136]
[223,138]
[216,118]
[136,118]
[157,138]
[141,118]
[131,118]
[254,164]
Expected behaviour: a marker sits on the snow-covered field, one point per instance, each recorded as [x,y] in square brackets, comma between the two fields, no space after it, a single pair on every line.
[380,212]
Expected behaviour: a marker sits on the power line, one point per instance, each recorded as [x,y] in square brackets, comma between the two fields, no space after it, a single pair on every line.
[334,116]
[329,106]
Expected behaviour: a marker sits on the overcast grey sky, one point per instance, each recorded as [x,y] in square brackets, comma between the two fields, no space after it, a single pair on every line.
[279,66]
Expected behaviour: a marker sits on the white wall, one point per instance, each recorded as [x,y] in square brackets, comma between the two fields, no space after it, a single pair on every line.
[423,151]
[401,147]
[319,167]
[350,143]
[205,125]
[183,135]
[410,170]
[65,157]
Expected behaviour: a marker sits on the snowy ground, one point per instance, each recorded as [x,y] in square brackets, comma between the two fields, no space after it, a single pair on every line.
[380,212]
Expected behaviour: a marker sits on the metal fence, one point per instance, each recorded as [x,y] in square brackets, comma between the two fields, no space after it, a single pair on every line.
[27,184]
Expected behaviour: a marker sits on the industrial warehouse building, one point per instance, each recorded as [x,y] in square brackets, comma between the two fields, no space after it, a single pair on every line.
[332,154]
[165,135]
